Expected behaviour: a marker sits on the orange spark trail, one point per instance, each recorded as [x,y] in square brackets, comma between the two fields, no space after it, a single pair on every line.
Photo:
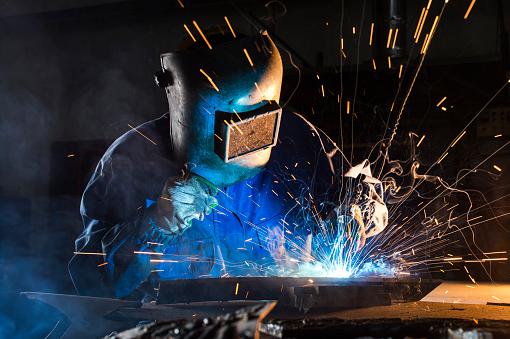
[229,26]
[137,131]
[210,80]
[202,34]
[248,57]
[469,9]
[371,33]
[190,34]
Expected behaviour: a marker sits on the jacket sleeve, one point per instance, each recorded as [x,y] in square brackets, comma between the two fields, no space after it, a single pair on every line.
[117,218]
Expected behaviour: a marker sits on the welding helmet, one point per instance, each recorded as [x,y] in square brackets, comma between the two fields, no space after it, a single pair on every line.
[223,100]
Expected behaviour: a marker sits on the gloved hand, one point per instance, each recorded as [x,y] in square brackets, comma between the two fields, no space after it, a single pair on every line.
[183,200]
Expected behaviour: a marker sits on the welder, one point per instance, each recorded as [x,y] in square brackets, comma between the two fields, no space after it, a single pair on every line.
[200,191]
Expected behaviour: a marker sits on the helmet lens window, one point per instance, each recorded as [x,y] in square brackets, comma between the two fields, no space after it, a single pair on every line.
[247,132]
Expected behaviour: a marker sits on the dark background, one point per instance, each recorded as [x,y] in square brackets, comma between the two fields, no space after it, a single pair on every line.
[73,74]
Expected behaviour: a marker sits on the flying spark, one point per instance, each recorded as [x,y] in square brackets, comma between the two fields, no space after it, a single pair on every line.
[440,102]
[469,9]
[202,34]
[143,135]
[248,57]
[210,80]
[230,27]
[497,168]
[390,32]
[371,34]
[189,33]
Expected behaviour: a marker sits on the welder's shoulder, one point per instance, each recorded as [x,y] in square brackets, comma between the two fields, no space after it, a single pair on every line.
[136,159]
[149,138]
[133,168]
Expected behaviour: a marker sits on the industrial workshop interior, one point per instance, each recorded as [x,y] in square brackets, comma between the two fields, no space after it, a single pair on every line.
[254,169]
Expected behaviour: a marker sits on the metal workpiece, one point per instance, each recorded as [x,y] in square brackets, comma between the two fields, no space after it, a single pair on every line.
[290,291]
[215,298]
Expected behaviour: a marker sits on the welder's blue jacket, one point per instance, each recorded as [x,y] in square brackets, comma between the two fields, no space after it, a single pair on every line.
[231,241]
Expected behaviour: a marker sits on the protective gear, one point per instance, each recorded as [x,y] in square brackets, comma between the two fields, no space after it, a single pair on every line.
[257,193]
[248,132]
[184,200]
[209,83]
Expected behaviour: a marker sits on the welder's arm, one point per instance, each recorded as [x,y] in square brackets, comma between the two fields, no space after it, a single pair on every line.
[117,223]
[120,270]
[181,201]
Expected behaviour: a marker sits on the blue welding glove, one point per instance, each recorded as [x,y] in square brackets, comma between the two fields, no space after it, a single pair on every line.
[182,200]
